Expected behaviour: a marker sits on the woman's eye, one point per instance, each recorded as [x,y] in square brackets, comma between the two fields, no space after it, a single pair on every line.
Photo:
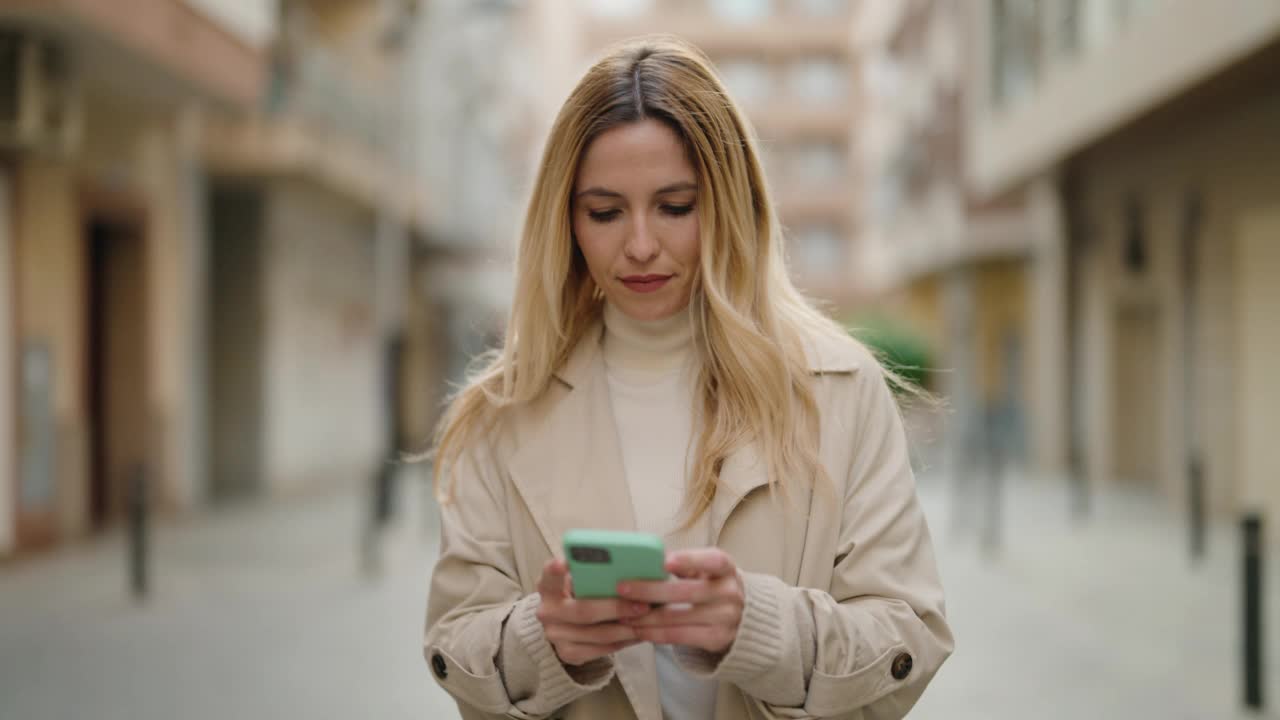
[603,216]
[677,210]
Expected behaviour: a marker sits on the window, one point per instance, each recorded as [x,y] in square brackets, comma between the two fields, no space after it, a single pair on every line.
[749,82]
[742,10]
[1097,22]
[1135,237]
[818,79]
[818,251]
[821,8]
[772,157]
[1065,28]
[818,161]
[618,9]
[1015,63]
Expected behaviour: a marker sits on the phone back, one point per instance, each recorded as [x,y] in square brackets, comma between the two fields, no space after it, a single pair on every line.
[600,559]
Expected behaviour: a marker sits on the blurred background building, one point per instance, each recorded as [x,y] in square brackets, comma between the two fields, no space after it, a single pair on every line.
[1143,136]
[227,234]
[246,246]
[103,193]
[790,65]
[1072,200]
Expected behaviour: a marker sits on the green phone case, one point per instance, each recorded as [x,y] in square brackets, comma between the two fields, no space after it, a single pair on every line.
[600,559]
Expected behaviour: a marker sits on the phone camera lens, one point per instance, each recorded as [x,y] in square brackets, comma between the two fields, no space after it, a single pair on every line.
[590,554]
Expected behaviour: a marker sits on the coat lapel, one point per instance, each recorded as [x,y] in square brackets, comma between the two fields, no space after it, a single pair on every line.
[569,472]
[569,468]
[742,473]
[769,536]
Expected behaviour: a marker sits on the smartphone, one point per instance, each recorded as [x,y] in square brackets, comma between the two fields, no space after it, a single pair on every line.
[600,559]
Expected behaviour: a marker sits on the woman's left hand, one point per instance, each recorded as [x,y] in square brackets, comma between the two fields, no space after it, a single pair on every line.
[701,607]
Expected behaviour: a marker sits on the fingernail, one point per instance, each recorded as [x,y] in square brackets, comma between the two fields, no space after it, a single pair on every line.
[623,588]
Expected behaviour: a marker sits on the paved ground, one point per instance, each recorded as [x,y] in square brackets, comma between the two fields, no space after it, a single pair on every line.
[1105,618]
[258,613]
[262,612]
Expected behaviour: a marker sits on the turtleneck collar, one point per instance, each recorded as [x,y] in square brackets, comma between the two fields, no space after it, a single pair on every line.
[653,345]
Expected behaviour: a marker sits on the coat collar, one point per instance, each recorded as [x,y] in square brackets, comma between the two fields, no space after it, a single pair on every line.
[569,465]
[824,355]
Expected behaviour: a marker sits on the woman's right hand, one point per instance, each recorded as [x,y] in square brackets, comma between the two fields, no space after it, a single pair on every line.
[583,630]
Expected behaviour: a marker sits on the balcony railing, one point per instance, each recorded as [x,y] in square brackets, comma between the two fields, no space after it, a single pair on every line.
[315,84]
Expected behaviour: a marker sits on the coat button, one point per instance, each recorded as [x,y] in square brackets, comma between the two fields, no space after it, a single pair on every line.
[901,667]
[437,664]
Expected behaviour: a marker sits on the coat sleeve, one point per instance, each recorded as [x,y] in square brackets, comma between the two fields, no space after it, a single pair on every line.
[866,648]
[484,643]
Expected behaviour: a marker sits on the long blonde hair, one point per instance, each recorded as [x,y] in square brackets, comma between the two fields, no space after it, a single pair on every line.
[754,383]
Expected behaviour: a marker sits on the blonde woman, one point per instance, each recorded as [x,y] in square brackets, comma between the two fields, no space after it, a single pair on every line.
[661,373]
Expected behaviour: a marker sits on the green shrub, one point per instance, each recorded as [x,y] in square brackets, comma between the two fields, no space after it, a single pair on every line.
[899,347]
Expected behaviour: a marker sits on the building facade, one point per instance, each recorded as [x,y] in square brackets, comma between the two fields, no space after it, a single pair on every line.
[951,266]
[208,215]
[1147,130]
[312,204]
[790,66]
[101,190]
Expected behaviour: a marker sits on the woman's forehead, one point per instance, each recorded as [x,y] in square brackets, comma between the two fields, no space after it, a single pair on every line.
[636,157]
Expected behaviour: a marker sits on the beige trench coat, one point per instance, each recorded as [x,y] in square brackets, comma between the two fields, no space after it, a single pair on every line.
[844,613]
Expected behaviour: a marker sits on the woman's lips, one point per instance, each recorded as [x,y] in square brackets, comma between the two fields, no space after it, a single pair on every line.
[645,283]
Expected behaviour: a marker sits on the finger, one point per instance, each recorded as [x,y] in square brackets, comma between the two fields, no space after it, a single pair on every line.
[580,654]
[708,614]
[600,634]
[712,638]
[552,582]
[590,612]
[666,591]
[709,562]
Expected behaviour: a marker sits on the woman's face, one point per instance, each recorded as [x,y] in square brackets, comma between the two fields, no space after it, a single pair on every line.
[635,219]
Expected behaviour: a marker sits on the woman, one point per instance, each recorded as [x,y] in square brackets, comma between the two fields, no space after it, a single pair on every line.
[661,373]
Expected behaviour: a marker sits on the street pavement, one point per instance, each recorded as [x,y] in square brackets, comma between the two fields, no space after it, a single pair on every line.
[264,611]
[1104,616]
[258,612]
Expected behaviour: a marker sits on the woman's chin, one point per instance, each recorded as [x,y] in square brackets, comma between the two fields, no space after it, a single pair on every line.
[649,309]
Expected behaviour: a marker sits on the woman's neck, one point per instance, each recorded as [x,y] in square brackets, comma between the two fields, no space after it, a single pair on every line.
[647,344]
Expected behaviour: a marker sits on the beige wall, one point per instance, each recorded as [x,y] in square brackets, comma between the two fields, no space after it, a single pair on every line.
[141,151]
[1001,313]
[1046,330]
[171,243]
[1231,159]
[129,161]
[1257,327]
[50,285]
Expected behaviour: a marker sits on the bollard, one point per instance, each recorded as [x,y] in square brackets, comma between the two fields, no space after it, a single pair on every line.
[995,485]
[139,534]
[382,484]
[1196,509]
[1252,546]
[1081,501]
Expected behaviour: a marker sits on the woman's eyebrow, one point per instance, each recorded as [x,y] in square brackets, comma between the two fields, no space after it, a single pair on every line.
[598,191]
[676,187]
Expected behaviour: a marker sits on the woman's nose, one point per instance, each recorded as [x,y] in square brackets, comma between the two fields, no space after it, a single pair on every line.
[641,246]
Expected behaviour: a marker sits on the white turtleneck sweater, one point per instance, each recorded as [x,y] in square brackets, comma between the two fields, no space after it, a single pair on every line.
[651,373]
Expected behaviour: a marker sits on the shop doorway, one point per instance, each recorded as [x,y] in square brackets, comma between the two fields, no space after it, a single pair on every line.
[115,355]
